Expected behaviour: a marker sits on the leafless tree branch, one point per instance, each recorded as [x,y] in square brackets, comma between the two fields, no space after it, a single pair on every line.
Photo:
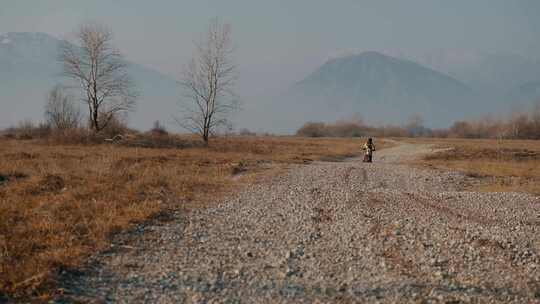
[208,82]
[101,73]
[60,110]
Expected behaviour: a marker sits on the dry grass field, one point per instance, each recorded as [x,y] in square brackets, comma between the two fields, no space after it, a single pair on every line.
[498,165]
[61,203]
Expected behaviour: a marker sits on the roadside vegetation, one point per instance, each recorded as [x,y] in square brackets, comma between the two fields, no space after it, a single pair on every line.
[495,165]
[517,125]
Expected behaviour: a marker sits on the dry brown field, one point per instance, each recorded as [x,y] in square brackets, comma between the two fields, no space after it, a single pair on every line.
[495,165]
[61,203]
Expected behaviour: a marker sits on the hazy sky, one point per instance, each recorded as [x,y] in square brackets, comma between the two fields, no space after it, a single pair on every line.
[280,41]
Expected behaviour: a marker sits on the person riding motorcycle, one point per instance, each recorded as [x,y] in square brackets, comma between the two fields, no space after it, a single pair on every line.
[369,148]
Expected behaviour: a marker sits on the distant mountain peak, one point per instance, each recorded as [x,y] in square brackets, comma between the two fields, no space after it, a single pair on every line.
[383,88]
[370,66]
[371,55]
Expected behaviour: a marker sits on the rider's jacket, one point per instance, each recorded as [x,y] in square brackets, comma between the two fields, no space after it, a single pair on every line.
[369,148]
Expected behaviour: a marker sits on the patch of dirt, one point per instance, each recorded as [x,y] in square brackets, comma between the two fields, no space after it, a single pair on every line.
[336,159]
[5,178]
[475,175]
[459,153]
[49,184]
[239,168]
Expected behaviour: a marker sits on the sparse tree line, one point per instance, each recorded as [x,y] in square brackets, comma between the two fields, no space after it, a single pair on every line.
[98,79]
[356,127]
[523,125]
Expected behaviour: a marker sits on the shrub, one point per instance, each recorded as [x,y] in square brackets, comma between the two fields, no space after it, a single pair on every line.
[313,129]
[158,129]
[75,136]
[117,125]
[246,132]
[26,130]
[345,129]
[61,111]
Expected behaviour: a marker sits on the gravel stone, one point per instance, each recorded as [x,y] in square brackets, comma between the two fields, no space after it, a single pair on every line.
[332,232]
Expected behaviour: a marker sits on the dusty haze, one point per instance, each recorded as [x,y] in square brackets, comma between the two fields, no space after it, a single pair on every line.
[279,43]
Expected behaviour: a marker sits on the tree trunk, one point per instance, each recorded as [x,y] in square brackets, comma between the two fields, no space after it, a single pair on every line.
[206,135]
[95,121]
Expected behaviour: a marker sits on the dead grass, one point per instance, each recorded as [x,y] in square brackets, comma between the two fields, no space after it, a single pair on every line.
[499,165]
[61,203]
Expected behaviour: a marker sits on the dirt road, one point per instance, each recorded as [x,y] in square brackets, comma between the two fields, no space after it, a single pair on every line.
[333,232]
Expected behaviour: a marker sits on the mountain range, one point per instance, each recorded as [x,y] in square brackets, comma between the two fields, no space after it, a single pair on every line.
[383,89]
[441,87]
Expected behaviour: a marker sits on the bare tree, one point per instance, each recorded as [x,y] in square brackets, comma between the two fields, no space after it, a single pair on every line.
[208,82]
[60,110]
[535,118]
[100,72]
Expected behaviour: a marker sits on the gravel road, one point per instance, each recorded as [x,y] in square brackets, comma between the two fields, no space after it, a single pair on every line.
[332,232]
